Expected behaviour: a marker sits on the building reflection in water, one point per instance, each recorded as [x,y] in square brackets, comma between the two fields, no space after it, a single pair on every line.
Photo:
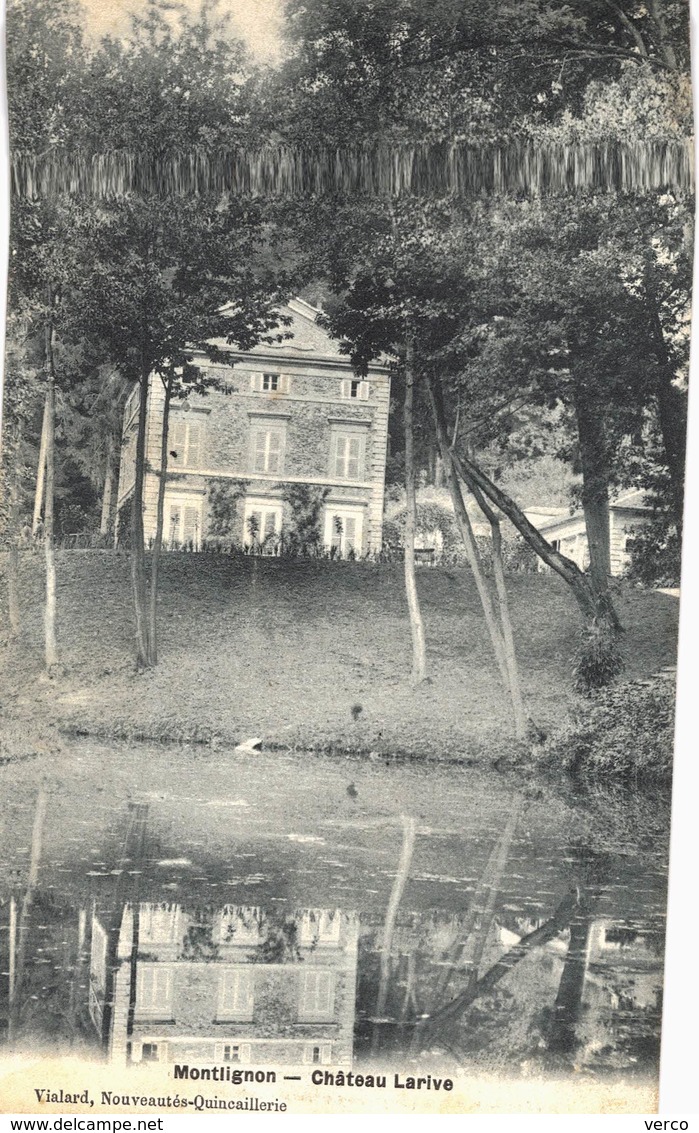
[249,986]
[236,985]
[501,971]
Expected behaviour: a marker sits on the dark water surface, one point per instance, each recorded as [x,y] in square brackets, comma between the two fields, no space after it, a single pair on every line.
[199,907]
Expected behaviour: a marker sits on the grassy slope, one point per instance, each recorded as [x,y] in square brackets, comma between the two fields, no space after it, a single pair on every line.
[284,649]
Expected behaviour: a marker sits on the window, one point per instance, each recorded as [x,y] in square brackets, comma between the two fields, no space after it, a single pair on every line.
[158,924]
[344,530]
[262,524]
[239,925]
[320,926]
[321,1053]
[232,1052]
[154,991]
[354,388]
[236,995]
[348,456]
[147,1051]
[184,441]
[269,383]
[183,521]
[268,448]
[317,996]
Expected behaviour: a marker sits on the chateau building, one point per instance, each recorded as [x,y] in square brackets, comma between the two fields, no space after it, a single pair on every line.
[237,986]
[291,422]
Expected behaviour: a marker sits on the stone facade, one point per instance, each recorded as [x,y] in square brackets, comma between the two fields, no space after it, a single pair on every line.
[234,987]
[291,423]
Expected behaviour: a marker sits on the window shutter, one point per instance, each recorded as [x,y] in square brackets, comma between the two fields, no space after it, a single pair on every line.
[274,460]
[353,453]
[317,995]
[256,383]
[236,996]
[245,1052]
[350,529]
[260,451]
[346,388]
[340,461]
[284,383]
[194,436]
[191,525]
[176,442]
[363,391]
[154,988]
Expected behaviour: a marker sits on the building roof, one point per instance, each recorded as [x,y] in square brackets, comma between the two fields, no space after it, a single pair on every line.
[628,501]
[307,339]
[636,499]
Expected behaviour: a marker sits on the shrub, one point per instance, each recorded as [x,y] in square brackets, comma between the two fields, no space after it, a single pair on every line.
[598,659]
[224,495]
[304,534]
[625,732]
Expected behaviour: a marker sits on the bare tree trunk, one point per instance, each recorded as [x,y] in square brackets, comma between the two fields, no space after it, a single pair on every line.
[25,912]
[12,958]
[562,1038]
[51,647]
[451,1012]
[595,497]
[13,555]
[406,857]
[505,619]
[483,898]
[506,664]
[419,669]
[568,570]
[667,51]
[157,546]
[41,470]
[109,486]
[131,852]
[138,553]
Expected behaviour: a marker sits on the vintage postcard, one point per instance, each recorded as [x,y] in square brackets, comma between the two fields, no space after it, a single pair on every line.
[341,508]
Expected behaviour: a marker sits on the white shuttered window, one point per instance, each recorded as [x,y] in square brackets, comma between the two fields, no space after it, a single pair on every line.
[354,388]
[236,995]
[185,442]
[154,990]
[183,521]
[348,452]
[267,449]
[317,995]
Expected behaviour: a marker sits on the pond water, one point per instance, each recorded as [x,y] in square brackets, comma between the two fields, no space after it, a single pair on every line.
[196,906]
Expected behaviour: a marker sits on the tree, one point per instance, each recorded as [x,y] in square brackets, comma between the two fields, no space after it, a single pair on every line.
[45,73]
[158,281]
[144,279]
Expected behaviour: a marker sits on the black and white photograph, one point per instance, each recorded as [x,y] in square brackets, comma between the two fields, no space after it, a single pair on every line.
[342,489]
